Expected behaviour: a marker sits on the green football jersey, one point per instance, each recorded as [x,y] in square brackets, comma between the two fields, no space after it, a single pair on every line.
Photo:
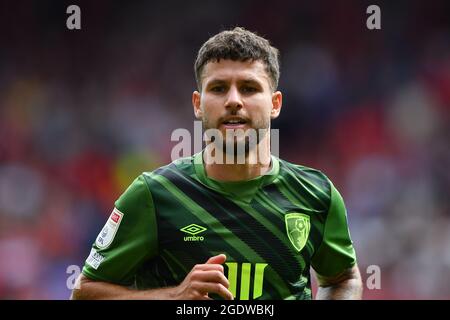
[272,229]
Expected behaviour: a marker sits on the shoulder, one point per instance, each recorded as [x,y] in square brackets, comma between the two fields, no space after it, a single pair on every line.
[176,167]
[311,183]
[304,173]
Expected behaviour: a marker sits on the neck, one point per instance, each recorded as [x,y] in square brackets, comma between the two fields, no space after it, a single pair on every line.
[257,163]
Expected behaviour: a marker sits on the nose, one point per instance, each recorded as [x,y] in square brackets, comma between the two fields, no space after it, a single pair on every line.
[234,101]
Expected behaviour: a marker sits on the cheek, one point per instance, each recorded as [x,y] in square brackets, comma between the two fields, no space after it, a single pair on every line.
[210,110]
[260,108]
[209,103]
[260,113]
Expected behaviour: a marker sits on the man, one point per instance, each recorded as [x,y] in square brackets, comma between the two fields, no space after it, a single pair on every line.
[203,227]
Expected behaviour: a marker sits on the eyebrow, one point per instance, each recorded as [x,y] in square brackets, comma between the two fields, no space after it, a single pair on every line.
[216,81]
[244,81]
[251,81]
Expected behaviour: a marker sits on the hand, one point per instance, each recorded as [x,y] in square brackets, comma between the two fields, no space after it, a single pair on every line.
[204,279]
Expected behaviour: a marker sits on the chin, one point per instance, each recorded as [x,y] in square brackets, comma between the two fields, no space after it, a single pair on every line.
[236,147]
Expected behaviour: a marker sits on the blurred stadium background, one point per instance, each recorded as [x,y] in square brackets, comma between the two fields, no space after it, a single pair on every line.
[82,113]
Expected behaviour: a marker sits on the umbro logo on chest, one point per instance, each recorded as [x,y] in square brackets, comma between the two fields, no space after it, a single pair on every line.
[192,232]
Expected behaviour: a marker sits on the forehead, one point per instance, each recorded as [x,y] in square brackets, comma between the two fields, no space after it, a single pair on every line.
[229,70]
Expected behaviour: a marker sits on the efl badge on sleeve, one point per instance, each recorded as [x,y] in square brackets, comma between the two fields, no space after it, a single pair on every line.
[106,236]
[297,227]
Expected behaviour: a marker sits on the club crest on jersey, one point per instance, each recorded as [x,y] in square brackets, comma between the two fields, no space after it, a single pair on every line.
[106,236]
[297,227]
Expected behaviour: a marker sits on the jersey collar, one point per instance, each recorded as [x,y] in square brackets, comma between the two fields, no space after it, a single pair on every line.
[240,190]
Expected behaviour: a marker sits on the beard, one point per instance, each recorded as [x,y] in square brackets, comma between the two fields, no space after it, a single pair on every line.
[238,142]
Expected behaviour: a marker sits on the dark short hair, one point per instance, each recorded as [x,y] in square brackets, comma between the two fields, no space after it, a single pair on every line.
[238,44]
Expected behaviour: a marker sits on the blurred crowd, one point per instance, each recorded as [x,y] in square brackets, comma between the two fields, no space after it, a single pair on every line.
[82,113]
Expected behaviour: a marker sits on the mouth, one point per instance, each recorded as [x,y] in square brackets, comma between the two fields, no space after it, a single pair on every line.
[234,123]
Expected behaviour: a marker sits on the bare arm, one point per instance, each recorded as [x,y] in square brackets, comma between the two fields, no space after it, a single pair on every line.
[202,280]
[92,290]
[345,286]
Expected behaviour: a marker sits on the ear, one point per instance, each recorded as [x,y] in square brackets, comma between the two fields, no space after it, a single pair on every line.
[277,101]
[196,97]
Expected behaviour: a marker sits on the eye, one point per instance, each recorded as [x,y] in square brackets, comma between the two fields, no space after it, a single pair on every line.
[248,89]
[218,89]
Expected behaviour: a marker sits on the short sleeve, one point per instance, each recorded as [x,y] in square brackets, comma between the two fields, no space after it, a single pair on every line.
[128,238]
[336,252]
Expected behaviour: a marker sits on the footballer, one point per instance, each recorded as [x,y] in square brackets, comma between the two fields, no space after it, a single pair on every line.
[205,228]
